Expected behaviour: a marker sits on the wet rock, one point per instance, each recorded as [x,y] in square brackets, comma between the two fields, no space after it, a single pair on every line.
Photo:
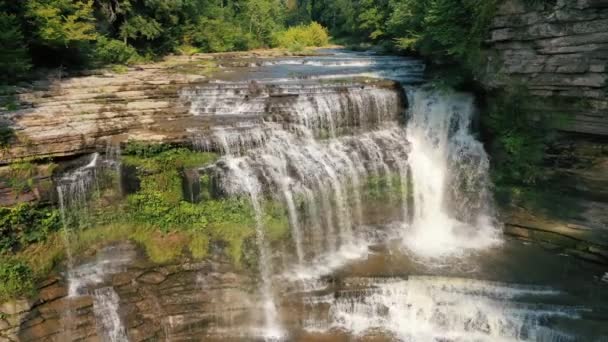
[152,278]
[15,307]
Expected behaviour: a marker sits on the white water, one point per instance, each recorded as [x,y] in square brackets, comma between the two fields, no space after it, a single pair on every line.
[74,191]
[242,179]
[105,307]
[452,206]
[437,309]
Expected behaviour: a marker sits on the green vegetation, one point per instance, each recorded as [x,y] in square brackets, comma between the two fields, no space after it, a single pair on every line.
[155,216]
[159,203]
[16,278]
[24,224]
[297,38]
[519,136]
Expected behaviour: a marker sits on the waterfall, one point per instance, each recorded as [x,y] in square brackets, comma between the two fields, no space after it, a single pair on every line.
[105,307]
[242,179]
[449,170]
[74,191]
[438,309]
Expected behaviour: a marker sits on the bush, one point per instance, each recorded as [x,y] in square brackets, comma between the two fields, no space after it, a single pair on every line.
[112,51]
[25,224]
[16,279]
[297,37]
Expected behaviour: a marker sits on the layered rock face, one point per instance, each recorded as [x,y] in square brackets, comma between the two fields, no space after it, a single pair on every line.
[138,301]
[559,49]
[175,102]
[69,117]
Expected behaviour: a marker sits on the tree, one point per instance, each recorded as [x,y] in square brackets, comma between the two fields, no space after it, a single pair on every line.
[140,27]
[14,59]
[264,17]
[62,23]
[372,18]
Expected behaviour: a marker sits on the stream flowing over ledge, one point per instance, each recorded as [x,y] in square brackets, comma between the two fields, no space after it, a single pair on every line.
[386,197]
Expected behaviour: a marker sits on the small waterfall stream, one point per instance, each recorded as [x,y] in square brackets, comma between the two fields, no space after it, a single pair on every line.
[74,191]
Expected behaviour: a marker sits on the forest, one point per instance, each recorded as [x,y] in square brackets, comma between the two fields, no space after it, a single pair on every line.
[71,35]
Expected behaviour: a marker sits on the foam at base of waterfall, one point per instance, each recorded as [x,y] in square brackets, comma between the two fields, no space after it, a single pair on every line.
[437,238]
[452,309]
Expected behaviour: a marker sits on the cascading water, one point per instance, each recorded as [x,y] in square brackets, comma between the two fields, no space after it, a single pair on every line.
[74,190]
[451,199]
[444,309]
[106,311]
[242,179]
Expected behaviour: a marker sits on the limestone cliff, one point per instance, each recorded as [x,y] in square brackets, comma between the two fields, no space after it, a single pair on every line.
[559,49]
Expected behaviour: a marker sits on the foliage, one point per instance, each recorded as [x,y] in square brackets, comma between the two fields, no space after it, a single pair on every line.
[159,204]
[302,36]
[264,17]
[74,34]
[62,23]
[442,29]
[158,157]
[14,60]
[112,51]
[372,18]
[142,149]
[519,136]
[25,224]
[15,279]
[217,35]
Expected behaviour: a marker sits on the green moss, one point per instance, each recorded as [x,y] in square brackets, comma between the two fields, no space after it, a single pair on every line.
[161,157]
[199,246]
[381,187]
[276,221]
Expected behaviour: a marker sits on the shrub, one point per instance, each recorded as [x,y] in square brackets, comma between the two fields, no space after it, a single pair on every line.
[25,224]
[112,51]
[16,279]
[298,37]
